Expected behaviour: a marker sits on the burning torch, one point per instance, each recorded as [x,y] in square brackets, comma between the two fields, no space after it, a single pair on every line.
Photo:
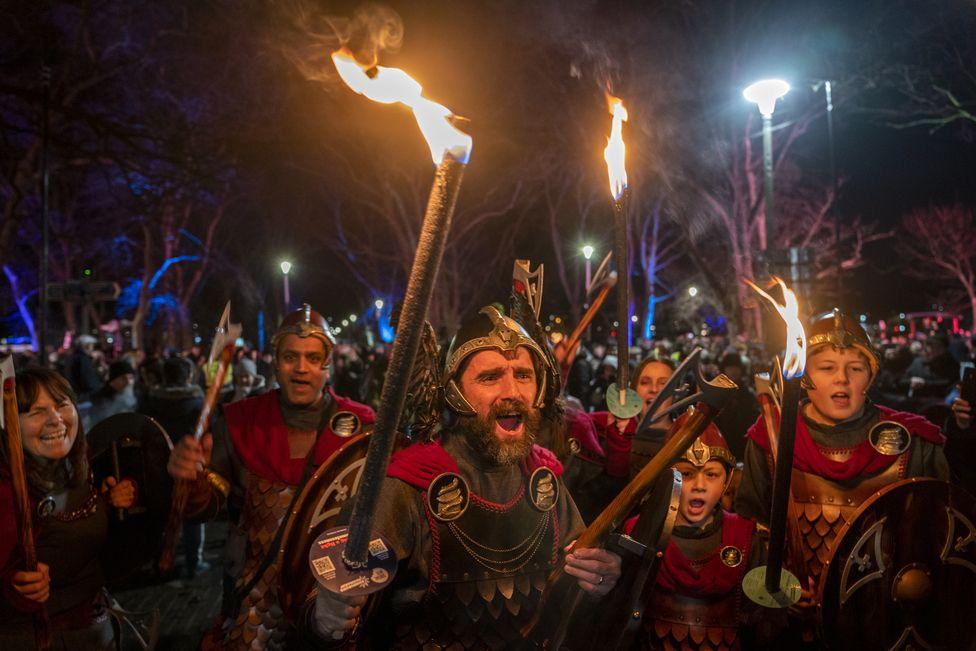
[623,403]
[771,585]
[349,560]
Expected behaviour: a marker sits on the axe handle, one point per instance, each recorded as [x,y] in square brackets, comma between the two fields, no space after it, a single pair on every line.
[181,488]
[680,438]
[22,505]
[573,342]
[118,475]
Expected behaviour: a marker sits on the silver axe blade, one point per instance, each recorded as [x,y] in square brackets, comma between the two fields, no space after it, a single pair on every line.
[602,276]
[676,381]
[771,384]
[532,280]
[226,334]
[6,371]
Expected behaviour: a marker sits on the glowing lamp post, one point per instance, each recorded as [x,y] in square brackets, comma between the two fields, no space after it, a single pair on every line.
[771,585]
[587,251]
[355,553]
[764,95]
[285,268]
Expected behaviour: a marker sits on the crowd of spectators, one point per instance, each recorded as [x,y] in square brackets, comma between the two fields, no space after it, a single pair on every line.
[918,374]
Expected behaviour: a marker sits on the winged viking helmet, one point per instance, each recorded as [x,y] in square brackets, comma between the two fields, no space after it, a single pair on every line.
[489,330]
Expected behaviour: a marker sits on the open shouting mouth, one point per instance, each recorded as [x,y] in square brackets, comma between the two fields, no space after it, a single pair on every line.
[841,399]
[510,423]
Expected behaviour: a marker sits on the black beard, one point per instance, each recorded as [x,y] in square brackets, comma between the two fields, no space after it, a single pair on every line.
[480,433]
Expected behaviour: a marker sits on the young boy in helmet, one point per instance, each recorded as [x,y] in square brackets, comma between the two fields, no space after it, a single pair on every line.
[695,601]
[846,448]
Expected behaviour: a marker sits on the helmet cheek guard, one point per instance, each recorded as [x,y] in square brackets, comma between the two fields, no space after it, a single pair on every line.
[490,331]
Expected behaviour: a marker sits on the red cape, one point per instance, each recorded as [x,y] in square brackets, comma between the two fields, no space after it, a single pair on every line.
[864,460]
[580,426]
[260,436]
[713,577]
[420,463]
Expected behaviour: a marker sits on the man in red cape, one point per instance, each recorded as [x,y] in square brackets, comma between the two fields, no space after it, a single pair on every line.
[260,454]
[478,516]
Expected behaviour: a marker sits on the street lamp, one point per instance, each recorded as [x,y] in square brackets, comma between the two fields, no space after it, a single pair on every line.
[764,94]
[693,291]
[285,268]
[587,254]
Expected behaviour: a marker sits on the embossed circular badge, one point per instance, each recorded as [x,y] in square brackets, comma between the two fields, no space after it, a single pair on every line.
[46,507]
[731,556]
[447,496]
[889,438]
[574,446]
[344,424]
[543,489]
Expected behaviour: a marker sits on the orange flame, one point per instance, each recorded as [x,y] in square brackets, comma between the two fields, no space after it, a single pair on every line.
[795,356]
[616,152]
[391,85]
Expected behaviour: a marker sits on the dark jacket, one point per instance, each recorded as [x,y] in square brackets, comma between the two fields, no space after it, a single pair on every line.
[175,408]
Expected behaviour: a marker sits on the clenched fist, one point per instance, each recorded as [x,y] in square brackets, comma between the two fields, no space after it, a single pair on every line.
[190,457]
[335,615]
[33,586]
[121,494]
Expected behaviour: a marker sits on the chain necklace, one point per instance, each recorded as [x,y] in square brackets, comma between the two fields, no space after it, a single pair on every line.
[532,544]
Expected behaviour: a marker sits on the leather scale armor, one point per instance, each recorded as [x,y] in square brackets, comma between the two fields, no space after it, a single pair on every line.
[676,622]
[822,507]
[258,622]
[488,568]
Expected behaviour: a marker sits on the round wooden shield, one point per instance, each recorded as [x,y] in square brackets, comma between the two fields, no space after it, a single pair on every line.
[903,571]
[316,510]
[133,446]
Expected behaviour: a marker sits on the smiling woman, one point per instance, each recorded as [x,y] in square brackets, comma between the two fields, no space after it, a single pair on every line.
[70,524]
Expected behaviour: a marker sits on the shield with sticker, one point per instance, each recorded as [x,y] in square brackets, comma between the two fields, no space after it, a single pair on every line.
[315,511]
[903,571]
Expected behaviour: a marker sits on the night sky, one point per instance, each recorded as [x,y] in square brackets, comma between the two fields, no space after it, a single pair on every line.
[520,71]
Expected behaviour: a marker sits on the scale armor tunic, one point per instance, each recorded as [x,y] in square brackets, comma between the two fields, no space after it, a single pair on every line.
[489,566]
[822,507]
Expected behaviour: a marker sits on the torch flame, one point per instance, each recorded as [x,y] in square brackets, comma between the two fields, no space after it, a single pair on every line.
[391,85]
[795,357]
[616,152]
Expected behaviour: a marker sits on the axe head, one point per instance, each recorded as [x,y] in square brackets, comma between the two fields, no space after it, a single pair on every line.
[225,335]
[603,277]
[528,283]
